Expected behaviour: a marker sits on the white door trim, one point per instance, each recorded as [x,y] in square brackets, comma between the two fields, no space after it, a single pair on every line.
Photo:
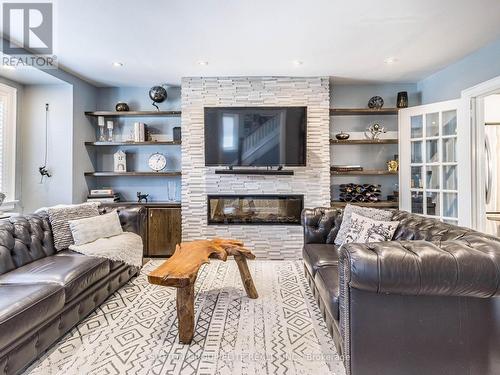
[472,116]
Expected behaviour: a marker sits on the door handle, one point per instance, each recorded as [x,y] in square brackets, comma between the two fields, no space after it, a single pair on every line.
[488,168]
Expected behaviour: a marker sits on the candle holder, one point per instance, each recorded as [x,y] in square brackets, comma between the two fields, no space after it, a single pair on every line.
[110,131]
[100,122]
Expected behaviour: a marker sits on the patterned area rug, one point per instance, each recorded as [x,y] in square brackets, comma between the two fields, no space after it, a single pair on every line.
[135,330]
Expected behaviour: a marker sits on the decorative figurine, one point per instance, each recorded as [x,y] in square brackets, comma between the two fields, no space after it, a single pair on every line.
[375,131]
[376,102]
[402,101]
[392,166]
[120,161]
[158,94]
[122,107]
[142,197]
[342,136]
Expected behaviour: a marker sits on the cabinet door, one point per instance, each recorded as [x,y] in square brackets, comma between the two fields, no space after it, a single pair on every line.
[430,180]
[164,230]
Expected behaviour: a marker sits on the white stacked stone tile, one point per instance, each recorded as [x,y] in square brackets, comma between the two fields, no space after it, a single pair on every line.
[313,181]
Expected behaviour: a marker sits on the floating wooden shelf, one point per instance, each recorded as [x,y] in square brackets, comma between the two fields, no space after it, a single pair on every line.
[381,204]
[134,113]
[389,141]
[282,172]
[145,204]
[362,111]
[367,172]
[168,143]
[132,174]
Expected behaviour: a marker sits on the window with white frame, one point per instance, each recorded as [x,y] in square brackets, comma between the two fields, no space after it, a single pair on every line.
[8,142]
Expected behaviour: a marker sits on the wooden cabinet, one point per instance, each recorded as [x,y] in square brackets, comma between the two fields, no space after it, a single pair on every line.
[164,231]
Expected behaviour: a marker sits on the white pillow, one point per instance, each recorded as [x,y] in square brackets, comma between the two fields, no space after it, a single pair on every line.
[349,209]
[364,230]
[92,228]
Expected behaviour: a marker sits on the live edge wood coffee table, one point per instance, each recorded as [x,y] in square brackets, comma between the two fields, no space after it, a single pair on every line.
[181,269]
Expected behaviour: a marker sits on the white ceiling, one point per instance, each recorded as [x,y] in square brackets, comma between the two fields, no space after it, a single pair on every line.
[29,76]
[162,41]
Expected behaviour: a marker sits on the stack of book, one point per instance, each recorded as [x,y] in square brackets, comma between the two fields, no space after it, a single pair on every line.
[139,132]
[103,196]
[346,168]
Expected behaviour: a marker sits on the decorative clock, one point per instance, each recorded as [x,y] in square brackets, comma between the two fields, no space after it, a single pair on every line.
[157,162]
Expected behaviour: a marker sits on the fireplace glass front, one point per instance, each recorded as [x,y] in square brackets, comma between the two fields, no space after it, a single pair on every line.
[255,209]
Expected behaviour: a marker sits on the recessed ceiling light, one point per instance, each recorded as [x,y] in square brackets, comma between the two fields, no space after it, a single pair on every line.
[390,60]
[202,62]
[117,64]
[297,62]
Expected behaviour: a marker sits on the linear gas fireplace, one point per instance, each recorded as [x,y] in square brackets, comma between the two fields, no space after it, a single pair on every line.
[255,209]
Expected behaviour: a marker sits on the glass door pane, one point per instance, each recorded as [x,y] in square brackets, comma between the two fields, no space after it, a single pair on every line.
[450,122]
[417,127]
[432,125]
[450,149]
[450,205]
[416,152]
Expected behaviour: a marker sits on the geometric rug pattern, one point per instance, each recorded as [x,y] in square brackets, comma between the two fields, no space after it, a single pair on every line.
[135,331]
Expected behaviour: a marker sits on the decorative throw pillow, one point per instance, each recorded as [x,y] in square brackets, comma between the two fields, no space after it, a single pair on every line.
[95,227]
[60,216]
[349,209]
[364,230]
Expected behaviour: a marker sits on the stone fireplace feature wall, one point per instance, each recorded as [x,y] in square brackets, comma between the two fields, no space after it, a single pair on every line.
[313,181]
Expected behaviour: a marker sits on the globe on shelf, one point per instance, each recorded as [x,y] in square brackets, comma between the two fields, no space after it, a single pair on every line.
[158,94]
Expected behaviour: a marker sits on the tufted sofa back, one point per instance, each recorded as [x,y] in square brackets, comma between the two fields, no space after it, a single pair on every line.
[24,239]
[322,224]
[415,227]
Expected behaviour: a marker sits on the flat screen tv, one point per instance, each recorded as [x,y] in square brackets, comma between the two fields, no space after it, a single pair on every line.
[255,136]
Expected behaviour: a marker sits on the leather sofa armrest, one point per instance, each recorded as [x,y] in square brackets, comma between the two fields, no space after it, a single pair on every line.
[132,218]
[448,268]
[321,224]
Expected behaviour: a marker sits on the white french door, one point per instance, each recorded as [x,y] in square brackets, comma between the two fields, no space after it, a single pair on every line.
[433,151]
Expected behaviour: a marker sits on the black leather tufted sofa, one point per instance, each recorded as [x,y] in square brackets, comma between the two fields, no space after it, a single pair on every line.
[424,303]
[44,293]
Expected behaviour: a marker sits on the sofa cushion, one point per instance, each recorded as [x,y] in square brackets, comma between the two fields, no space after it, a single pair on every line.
[319,255]
[23,307]
[113,264]
[74,273]
[327,283]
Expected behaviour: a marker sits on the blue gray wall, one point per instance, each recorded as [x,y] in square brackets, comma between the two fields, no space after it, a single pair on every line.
[58,188]
[84,99]
[473,69]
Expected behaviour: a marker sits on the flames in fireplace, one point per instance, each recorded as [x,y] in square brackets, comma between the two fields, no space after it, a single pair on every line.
[255,209]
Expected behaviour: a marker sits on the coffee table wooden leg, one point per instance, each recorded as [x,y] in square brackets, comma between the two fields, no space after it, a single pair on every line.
[246,277]
[185,313]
